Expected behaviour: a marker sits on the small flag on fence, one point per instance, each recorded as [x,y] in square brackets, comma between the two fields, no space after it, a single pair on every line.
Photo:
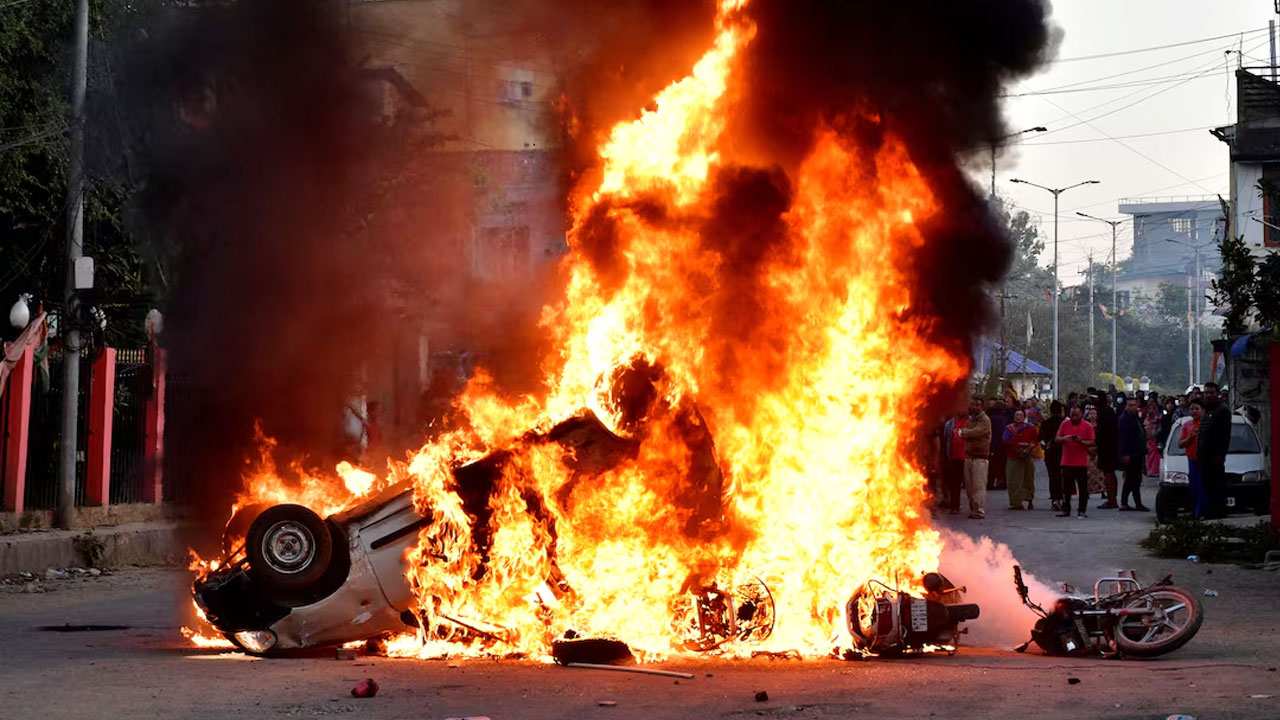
[1029,333]
[1103,308]
[1048,294]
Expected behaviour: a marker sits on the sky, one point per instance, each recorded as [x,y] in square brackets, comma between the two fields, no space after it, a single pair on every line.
[1178,92]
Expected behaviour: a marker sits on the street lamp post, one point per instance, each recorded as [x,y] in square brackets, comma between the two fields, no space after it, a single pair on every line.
[1193,349]
[996,141]
[1056,192]
[1114,262]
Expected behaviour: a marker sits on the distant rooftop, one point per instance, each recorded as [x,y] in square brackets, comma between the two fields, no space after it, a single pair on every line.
[1176,204]
[1169,199]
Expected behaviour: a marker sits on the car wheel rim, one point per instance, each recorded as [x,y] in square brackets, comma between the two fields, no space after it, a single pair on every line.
[288,547]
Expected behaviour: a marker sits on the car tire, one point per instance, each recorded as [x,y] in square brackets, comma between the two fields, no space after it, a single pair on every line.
[289,548]
[1166,510]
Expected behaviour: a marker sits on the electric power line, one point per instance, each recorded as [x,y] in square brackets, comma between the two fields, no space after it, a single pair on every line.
[1119,53]
[1215,52]
[1199,72]
[1119,137]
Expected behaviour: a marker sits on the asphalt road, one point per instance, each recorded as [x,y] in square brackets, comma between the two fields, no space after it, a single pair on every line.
[147,670]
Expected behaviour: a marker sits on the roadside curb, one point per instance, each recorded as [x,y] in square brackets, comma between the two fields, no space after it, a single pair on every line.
[143,543]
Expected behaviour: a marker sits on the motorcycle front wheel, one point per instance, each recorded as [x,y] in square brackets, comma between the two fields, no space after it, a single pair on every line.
[1175,619]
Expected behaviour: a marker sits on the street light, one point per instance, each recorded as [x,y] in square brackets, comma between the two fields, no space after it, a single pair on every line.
[995,141]
[1193,362]
[1055,192]
[1114,262]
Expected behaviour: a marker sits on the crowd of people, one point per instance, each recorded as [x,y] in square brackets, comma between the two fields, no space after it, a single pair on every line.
[1093,443]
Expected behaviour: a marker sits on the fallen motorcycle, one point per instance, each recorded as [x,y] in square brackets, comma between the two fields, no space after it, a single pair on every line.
[887,622]
[1125,620]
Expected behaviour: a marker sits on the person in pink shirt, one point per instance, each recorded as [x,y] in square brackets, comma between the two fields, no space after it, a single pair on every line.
[1076,436]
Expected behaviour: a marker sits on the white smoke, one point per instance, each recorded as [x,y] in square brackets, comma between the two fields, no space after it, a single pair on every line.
[985,567]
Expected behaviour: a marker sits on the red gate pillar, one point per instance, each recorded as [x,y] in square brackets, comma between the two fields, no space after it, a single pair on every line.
[1273,376]
[15,469]
[102,400]
[153,450]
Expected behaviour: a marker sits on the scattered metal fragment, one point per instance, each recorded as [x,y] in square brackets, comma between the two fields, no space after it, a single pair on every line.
[638,670]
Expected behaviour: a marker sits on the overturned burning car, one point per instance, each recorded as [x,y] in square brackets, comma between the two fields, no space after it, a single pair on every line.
[298,581]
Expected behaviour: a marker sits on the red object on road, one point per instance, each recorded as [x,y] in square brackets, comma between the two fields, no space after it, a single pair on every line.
[367,688]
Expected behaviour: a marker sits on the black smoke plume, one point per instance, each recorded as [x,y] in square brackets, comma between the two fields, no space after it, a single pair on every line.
[274,298]
[929,71]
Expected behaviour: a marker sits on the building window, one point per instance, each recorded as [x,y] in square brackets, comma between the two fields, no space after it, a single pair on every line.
[1270,211]
[1180,225]
[504,251]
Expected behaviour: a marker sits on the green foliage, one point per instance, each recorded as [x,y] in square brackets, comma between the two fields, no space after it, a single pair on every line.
[1152,337]
[1233,290]
[1212,541]
[1266,291]
[1171,303]
[35,40]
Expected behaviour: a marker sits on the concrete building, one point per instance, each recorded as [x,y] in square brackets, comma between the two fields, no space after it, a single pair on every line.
[1254,142]
[1166,235]
[474,199]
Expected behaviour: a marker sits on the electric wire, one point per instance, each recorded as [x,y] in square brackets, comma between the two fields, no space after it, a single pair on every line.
[1128,147]
[1215,52]
[1199,72]
[1136,51]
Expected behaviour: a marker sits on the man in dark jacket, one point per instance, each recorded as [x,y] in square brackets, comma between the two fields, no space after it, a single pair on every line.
[1001,414]
[1053,453]
[1132,446]
[1108,453]
[1211,451]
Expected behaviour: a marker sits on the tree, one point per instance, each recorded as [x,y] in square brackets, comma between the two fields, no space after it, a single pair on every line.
[1233,291]
[1171,303]
[34,39]
[1152,343]
[1266,293]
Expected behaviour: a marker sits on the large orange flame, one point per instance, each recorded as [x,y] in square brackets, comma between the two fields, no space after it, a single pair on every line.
[817,494]
[810,488]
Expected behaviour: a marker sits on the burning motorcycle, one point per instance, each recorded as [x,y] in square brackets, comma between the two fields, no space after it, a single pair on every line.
[888,622]
[1123,619]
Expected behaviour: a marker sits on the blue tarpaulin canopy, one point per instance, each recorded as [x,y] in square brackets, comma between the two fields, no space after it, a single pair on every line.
[1015,363]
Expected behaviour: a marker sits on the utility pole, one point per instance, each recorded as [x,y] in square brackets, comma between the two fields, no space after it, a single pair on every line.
[1200,292]
[1091,308]
[1271,27]
[997,141]
[1004,353]
[75,247]
[1193,312]
[1191,356]
[1115,310]
[1056,192]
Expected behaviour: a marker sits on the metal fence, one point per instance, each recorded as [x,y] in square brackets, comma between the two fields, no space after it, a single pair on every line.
[129,425]
[128,435]
[45,442]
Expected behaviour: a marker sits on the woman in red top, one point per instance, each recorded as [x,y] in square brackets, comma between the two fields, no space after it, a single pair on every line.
[1190,440]
[1020,439]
